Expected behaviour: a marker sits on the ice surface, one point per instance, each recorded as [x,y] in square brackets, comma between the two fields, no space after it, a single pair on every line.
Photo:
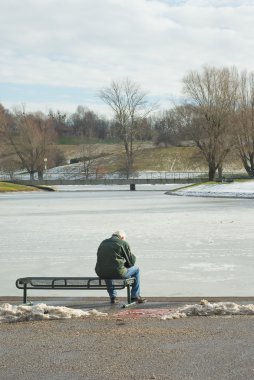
[185,246]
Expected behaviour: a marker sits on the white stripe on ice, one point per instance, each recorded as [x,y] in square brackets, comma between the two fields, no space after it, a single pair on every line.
[21,313]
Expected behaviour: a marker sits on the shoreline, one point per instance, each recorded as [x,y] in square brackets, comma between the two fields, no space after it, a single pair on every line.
[233,190]
[151,299]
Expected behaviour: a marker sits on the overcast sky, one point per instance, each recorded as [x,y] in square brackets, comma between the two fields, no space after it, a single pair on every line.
[59,53]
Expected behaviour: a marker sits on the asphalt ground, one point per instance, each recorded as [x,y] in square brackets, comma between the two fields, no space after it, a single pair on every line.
[128,345]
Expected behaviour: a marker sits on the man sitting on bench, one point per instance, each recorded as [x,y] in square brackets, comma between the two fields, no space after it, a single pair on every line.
[115,260]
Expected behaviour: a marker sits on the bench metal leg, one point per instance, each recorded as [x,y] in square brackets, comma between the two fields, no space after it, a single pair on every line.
[128,286]
[25,294]
[129,293]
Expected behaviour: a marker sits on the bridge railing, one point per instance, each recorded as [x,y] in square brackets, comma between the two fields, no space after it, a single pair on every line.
[54,176]
[79,175]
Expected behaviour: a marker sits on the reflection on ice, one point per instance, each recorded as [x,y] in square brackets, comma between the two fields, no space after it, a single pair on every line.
[209,267]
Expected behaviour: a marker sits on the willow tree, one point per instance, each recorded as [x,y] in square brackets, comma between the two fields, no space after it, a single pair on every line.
[130,107]
[212,96]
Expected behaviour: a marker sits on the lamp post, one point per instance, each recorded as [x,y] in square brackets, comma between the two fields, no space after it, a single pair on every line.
[45,167]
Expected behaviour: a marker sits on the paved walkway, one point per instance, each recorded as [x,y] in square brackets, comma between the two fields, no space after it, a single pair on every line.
[119,347]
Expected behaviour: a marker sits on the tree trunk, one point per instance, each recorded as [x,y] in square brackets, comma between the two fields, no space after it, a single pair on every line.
[129,167]
[247,164]
[249,170]
[220,169]
[212,172]
[40,175]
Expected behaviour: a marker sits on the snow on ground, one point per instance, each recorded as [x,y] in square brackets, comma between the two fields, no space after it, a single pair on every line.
[21,313]
[239,189]
[206,308]
[13,313]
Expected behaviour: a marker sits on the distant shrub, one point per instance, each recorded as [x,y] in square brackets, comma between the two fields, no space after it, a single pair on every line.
[74,160]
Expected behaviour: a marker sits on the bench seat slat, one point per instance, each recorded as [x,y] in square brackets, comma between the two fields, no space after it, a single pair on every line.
[74,283]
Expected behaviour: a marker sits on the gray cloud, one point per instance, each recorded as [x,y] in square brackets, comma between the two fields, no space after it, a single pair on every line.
[86,44]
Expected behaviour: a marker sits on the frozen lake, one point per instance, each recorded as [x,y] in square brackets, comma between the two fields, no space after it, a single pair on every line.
[184,246]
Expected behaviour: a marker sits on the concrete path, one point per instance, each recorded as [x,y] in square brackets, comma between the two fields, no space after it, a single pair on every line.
[116,347]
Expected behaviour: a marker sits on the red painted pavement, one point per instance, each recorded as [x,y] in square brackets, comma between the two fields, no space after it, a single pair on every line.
[144,313]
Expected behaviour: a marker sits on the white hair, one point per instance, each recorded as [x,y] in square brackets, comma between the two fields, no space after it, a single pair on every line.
[120,234]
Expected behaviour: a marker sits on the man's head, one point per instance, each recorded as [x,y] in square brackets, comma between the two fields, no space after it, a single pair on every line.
[120,234]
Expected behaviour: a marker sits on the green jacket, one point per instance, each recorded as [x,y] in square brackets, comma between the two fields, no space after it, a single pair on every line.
[113,257]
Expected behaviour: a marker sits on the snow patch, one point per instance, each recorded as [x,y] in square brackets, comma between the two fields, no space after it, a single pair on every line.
[21,313]
[205,308]
[241,189]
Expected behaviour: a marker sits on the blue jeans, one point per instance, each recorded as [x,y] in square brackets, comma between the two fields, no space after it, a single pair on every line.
[135,290]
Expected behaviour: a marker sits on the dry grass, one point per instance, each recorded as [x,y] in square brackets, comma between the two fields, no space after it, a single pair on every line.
[73,151]
[6,187]
[170,159]
[148,157]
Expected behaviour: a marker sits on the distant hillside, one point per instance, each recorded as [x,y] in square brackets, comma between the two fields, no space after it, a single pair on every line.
[148,157]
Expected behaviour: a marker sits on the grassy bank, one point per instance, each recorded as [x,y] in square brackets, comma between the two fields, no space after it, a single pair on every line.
[6,187]
[147,157]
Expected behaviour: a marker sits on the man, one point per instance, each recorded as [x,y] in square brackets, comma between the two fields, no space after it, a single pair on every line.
[115,260]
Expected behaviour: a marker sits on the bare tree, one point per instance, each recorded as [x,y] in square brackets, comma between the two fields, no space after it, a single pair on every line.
[87,124]
[212,100]
[58,120]
[89,154]
[5,122]
[167,131]
[30,137]
[244,122]
[128,102]
[8,161]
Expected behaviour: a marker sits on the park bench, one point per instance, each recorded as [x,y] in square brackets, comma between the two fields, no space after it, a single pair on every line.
[72,283]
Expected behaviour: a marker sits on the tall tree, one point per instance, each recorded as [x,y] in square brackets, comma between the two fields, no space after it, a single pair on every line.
[87,124]
[58,120]
[89,157]
[166,128]
[30,137]
[212,96]
[8,161]
[130,107]
[244,122]
[5,122]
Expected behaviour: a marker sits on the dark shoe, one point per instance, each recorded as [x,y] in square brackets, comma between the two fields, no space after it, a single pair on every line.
[114,300]
[138,300]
